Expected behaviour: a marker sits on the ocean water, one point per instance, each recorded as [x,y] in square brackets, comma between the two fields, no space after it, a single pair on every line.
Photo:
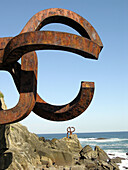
[113,143]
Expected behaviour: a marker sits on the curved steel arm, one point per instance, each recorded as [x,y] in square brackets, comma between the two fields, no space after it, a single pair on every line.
[27,99]
[68,111]
[64,16]
[42,40]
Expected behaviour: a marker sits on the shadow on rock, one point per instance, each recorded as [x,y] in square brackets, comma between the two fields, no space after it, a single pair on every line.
[5,160]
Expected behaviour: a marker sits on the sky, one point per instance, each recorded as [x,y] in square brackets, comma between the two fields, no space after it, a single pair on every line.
[60,73]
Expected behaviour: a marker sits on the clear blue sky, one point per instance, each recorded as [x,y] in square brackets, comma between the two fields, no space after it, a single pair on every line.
[60,73]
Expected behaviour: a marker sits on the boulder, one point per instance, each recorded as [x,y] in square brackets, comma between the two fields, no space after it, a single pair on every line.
[102,155]
[89,164]
[63,157]
[24,147]
[2,102]
[125,167]
[115,166]
[86,149]
[101,138]
[46,161]
[88,153]
[78,168]
[116,160]
[42,139]
[105,165]
[72,143]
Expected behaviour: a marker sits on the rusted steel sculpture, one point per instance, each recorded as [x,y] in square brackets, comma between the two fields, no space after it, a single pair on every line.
[70,130]
[23,45]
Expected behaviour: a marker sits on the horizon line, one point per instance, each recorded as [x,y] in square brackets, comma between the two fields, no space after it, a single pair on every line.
[83,132]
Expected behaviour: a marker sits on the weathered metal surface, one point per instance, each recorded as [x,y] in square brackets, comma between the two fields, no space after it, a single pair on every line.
[64,16]
[47,40]
[70,130]
[23,46]
[68,111]
[27,99]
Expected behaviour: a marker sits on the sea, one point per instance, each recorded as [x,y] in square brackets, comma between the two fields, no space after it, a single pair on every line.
[115,144]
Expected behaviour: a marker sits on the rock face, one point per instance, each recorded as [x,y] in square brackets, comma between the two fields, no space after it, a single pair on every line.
[96,159]
[88,153]
[22,150]
[2,103]
[101,154]
[26,151]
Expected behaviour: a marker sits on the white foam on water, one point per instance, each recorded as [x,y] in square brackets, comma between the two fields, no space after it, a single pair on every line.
[101,140]
[123,165]
[114,154]
[86,139]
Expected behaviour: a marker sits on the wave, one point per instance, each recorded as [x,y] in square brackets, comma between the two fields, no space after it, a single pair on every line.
[114,154]
[119,153]
[124,163]
[114,145]
[101,140]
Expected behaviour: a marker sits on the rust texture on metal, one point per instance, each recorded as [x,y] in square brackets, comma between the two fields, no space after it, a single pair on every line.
[70,130]
[24,75]
[27,90]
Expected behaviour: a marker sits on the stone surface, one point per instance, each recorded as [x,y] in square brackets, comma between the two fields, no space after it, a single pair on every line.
[78,168]
[117,160]
[88,153]
[125,167]
[90,164]
[115,166]
[72,143]
[27,150]
[2,102]
[101,154]
[85,150]
[105,165]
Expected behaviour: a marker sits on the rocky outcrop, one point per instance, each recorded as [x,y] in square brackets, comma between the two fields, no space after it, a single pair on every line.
[22,150]
[101,154]
[2,102]
[88,153]
[96,159]
[29,152]
[65,151]
[26,151]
